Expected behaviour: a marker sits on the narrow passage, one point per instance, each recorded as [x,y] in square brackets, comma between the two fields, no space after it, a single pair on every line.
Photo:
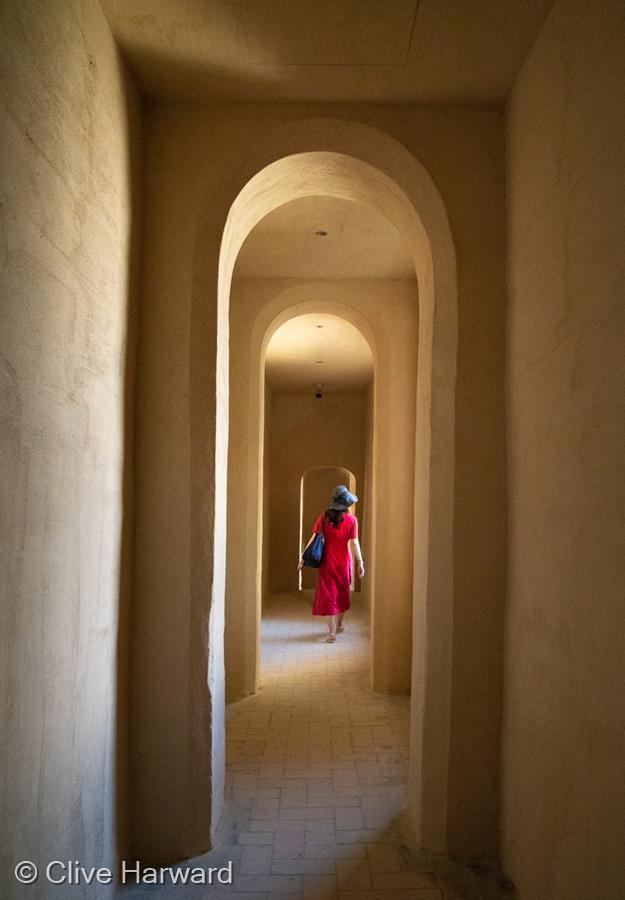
[317,779]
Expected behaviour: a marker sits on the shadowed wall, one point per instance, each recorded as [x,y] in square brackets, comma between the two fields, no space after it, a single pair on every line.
[67,121]
[564,735]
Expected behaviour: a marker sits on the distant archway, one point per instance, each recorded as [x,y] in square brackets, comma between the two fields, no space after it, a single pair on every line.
[315,488]
[245,585]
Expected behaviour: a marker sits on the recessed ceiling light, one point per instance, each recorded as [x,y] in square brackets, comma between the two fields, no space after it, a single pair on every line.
[321,233]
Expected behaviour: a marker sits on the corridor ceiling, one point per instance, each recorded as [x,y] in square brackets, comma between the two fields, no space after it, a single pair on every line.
[376,51]
[318,348]
[358,243]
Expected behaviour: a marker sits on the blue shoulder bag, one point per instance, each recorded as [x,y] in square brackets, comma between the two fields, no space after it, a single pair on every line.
[313,554]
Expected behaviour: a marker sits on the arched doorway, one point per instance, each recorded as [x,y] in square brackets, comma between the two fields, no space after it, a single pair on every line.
[390,438]
[317,173]
[318,431]
[180,564]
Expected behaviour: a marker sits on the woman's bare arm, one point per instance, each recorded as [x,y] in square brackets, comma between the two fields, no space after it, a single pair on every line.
[355,547]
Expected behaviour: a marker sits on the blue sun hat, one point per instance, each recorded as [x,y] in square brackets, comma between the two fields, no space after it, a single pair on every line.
[342,499]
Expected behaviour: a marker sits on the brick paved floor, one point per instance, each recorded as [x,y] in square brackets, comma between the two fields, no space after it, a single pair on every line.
[316,777]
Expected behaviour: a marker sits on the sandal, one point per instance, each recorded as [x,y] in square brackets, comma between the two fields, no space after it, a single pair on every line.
[340,629]
[331,638]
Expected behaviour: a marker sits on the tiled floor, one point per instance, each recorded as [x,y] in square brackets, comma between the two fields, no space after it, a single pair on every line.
[317,768]
[316,779]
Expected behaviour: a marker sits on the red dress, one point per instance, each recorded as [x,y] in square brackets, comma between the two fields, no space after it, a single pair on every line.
[334,575]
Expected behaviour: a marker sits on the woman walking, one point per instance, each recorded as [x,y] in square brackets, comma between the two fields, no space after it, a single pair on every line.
[340,532]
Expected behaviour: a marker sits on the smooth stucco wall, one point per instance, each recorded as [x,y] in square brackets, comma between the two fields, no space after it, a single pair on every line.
[305,433]
[564,736]
[67,247]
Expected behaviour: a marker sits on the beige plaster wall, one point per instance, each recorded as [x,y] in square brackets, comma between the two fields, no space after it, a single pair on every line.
[305,433]
[564,736]
[68,210]
[198,160]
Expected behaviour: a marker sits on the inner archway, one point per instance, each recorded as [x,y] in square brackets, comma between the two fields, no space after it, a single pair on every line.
[318,389]
[317,433]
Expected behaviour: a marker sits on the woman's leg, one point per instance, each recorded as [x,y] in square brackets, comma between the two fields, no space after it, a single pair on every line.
[339,622]
[331,620]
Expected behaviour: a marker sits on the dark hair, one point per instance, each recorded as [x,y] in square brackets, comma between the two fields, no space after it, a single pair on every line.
[334,516]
